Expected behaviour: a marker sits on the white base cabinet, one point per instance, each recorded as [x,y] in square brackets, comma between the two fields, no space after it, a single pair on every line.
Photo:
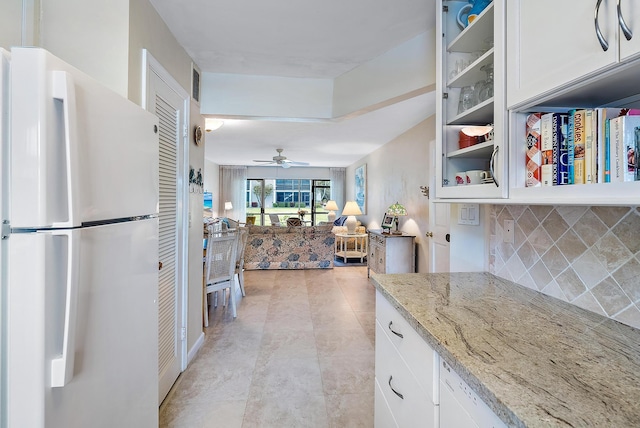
[405,371]
[414,386]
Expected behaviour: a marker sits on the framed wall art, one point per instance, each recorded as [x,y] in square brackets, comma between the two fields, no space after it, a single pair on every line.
[361,187]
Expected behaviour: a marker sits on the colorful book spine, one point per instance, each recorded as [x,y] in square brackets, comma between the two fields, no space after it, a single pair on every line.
[602,148]
[534,156]
[579,143]
[623,142]
[607,153]
[615,138]
[589,149]
[559,140]
[570,141]
[547,149]
[636,153]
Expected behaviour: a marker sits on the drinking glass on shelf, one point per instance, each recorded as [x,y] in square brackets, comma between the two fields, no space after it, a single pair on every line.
[486,86]
[467,99]
[457,69]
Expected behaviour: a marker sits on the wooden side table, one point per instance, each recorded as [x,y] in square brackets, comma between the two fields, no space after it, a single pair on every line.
[359,251]
[391,253]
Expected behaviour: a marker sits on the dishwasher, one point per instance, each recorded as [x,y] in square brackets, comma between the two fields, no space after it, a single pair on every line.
[460,406]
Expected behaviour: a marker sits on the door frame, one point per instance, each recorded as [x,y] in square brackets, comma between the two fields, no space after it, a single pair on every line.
[151,65]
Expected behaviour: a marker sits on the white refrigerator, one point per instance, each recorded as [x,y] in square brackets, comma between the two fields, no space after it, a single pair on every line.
[79,253]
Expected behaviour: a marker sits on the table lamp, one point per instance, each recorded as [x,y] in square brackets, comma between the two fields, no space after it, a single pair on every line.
[396,210]
[331,207]
[227,206]
[351,209]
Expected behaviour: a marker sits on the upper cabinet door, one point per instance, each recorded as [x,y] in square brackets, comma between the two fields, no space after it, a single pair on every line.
[551,43]
[629,16]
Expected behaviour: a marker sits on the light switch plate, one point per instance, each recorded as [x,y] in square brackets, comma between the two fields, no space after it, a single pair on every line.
[469,214]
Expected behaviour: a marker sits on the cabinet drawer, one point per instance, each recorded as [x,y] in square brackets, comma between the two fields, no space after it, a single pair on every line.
[421,359]
[409,404]
[382,413]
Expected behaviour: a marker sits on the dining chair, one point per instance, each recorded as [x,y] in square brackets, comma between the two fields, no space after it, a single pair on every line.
[275,220]
[242,243]
[220,269]
[294,221]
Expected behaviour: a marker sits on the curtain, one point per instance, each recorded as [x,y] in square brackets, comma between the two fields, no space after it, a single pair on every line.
[338,183]
[233,181]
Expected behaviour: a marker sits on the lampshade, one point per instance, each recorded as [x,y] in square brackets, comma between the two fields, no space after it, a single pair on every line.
[331,206]
[397,210]
[228,206]
[351,208]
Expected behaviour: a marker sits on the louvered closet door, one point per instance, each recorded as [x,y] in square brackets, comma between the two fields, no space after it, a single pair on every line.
[167,108]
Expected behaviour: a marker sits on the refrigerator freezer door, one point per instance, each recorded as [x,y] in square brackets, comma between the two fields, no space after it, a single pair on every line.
[114,379]
[79,151]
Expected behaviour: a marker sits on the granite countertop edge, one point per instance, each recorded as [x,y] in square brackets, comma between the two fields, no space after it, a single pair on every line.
[436,306]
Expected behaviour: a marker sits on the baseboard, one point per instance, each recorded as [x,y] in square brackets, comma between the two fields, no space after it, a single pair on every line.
[195,348]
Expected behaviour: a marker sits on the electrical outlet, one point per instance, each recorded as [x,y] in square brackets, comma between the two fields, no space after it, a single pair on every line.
[508,236]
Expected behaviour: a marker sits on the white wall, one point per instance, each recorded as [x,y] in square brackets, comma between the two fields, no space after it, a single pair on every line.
[91,35]
[11,23]
[395,173]
[148,31]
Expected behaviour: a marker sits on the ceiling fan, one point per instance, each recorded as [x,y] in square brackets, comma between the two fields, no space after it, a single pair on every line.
[282,160]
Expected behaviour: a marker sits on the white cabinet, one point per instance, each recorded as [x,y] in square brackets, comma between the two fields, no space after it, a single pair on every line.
[391,253]
[406,372]
[465,58]
[577,73]
[414,386]
[552,43]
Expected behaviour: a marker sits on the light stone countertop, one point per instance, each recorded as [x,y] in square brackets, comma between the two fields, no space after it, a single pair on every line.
[535,360]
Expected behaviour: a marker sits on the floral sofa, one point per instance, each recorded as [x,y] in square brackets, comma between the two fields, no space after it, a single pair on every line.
[295,247]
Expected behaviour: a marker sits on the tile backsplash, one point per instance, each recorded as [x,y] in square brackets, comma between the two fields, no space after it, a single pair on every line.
[587,256]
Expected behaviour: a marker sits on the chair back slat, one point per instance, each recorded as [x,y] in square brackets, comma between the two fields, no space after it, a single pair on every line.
[222,249]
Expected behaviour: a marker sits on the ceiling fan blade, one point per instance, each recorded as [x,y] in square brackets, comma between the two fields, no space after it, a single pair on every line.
[269,161]
[298,163]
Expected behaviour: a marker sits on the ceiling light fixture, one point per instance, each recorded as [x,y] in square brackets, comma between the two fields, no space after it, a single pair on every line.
[213,124]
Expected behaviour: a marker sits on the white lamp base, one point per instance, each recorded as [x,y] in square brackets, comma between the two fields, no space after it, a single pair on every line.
[331,216]
[351,224]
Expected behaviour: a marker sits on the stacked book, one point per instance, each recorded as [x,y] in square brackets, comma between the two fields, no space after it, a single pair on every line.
[582,146]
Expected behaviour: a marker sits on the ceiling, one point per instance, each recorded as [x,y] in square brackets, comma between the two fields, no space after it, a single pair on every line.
[301,39]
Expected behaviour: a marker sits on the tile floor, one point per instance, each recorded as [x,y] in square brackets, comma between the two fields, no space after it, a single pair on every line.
[300,354]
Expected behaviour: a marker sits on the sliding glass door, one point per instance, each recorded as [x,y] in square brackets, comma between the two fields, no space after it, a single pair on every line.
[271,199]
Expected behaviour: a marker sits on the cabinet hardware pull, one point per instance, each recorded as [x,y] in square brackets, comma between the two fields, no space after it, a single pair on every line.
[429,234]
[394,391]
[395,332]
[491,165]
[623,25]
[601,39]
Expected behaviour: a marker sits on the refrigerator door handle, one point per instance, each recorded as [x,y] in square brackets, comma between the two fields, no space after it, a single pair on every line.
[64,90]
[62,367]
